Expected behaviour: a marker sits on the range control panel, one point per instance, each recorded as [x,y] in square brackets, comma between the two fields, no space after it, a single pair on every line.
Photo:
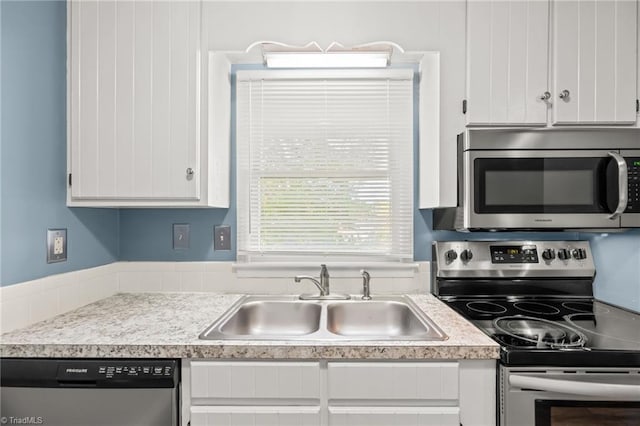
[513,259]
[514,254]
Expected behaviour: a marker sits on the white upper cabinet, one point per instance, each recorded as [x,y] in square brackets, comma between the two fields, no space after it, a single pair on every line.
[135,134]
[591,47]
[507,62]
[594,62]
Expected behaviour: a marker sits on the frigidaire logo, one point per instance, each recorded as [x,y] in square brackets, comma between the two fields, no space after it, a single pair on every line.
[76,370]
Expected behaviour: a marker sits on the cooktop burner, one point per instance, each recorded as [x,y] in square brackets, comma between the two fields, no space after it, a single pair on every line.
[578,306]
[538,333]
[536,308]
[607,326]
[489,308]
[550,309]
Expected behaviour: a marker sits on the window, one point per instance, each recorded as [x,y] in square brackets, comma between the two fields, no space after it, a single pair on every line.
[325,164]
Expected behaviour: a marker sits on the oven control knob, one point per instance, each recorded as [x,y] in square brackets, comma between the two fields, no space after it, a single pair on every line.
[466,255]
[450,256]
[579,254]
[564,254]
[549,254]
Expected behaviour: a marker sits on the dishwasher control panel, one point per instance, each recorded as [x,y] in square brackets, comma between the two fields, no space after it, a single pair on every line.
[124,371]
[107,373]
[115,372]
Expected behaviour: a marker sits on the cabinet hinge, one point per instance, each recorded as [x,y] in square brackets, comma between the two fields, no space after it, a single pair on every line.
[637,105]
[464,106]
[69,179]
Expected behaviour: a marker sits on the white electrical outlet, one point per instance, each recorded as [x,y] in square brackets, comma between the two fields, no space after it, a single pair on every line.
[56,245]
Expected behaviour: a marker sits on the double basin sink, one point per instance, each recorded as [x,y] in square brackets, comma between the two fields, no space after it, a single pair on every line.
[288,318]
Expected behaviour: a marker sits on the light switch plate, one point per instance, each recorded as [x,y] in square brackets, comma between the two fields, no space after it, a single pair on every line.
[222,237]
[181,236]
[56,245]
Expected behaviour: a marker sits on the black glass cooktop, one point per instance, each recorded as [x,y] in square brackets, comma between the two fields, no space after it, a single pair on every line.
[552,331]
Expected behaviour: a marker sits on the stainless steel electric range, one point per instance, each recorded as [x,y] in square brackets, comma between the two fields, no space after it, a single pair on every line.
[565,359]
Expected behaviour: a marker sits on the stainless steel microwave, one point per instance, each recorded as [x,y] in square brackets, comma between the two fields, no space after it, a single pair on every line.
[546,179]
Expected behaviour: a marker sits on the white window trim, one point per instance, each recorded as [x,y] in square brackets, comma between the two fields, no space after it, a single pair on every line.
[336,269]
[220,63]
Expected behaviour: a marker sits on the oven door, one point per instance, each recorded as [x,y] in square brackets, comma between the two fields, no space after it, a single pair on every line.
[526,189]
[563,397]
[551,412]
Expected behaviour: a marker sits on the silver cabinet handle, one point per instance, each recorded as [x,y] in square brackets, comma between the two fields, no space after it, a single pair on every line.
[190,173]
[564,94]
[545,96]
[623,184]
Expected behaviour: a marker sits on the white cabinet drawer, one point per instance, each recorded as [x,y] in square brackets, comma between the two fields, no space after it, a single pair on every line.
[299,380]
[406,380]
[397,416]
[255,416]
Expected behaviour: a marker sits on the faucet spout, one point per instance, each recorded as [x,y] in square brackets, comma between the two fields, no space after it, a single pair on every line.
[318,284]
[323,286]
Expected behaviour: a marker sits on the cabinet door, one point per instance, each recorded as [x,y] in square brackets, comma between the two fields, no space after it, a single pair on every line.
[393,381]
[594,61]
[507,62]
[255,380]
[255,416]
[133,99]
[397,416]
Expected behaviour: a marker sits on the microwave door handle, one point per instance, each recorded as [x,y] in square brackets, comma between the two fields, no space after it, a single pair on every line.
[571,387]
[622,185]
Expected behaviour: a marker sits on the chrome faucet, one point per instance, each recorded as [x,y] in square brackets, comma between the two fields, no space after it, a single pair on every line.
[323,286]
[366,290]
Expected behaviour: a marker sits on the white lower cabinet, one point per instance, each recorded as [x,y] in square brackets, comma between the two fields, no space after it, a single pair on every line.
[393,381]
[255,416]
[396,416]
[221,380]
[328,393]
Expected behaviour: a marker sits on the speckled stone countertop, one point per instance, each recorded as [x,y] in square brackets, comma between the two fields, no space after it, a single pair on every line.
[167,325]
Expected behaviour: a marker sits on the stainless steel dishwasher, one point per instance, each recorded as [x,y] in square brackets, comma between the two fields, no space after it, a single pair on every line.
[82,392]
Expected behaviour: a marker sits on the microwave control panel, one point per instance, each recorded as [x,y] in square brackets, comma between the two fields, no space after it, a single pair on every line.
[633,176]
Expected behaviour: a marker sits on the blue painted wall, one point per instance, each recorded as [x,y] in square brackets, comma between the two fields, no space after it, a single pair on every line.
[33,150]
[617,259]
[146,234]
[32,170]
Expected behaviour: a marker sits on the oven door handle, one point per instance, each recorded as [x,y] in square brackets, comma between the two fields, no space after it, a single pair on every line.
[571,387]
[622,185]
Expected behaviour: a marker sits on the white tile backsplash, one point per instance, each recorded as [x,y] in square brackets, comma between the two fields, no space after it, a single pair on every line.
[191,280]
[25,303]
[32,301]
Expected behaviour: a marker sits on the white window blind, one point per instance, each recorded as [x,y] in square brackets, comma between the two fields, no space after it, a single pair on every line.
[325,164]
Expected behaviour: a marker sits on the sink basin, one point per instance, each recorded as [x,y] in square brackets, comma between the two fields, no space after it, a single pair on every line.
[267,319]
[376,318]
[288,318]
